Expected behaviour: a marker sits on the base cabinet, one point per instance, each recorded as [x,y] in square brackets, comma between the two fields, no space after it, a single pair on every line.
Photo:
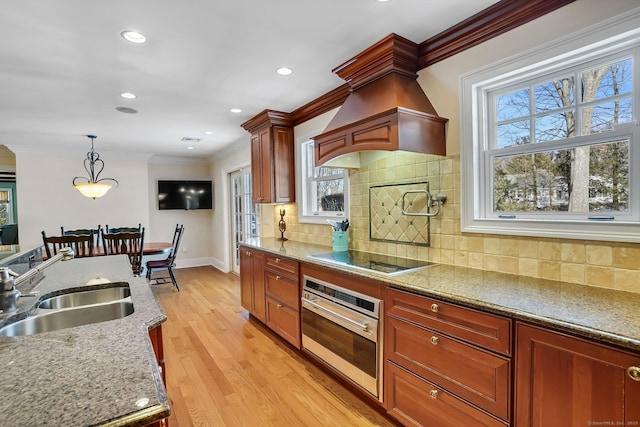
[270,291]
[252,285]
[155,335]
[567,381]
[447,365]
[282,289]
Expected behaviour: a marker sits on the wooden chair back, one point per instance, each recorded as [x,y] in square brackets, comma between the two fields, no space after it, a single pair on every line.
[125,243]
[177,237]
[83,232]
[123,229]
[82,245]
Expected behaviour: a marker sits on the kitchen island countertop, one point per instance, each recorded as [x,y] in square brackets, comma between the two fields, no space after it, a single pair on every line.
[607,315]
[99,374]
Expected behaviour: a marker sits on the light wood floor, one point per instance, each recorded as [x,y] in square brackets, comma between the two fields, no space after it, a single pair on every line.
[226,370]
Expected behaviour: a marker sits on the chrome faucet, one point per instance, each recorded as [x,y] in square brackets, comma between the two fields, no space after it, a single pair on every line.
[10,279]
[9,296]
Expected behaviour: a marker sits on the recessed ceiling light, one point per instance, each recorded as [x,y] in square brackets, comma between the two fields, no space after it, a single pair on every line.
[284,71]
[126,110]
[190,148]
[208,132]
[382,1]
[133,36]
[128,95]
[236,110]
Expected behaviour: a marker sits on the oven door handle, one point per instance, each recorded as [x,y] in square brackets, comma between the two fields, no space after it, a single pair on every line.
[363,326]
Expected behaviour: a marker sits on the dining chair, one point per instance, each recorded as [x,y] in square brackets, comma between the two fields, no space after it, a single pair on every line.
[168,263]
[125,243]
[82,245]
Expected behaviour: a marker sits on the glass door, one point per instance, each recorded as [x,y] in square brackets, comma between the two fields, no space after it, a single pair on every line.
[245,215]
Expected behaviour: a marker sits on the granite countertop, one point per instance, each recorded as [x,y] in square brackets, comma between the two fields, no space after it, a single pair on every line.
[99,374]
[604,314]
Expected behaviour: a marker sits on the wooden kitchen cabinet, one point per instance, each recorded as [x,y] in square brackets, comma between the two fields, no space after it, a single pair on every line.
[563,380]
[272,157]
[252,284]
[155,335]
[282,288]
[457,358]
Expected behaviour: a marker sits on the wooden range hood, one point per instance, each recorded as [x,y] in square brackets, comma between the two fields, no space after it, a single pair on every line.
[386,110]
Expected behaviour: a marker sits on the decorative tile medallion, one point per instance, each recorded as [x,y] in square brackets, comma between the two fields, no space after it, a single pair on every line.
[387,221]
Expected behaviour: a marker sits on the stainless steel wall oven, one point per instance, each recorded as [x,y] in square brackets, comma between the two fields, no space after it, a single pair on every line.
[343,328]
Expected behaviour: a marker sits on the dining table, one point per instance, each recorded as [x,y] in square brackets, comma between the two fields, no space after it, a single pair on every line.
[148,248]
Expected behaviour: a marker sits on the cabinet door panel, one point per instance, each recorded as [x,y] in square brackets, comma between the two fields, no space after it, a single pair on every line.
[284,321]
[283,288]
[246,280]
[416,402]
[257,270]
[567,381]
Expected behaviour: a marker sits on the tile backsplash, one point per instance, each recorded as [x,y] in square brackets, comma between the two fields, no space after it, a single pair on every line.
[595,263]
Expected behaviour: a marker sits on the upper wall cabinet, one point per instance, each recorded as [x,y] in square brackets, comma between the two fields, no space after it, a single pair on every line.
[272,167]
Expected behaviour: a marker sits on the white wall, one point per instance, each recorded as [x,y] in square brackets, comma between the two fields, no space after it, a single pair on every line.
[47,199]
[229,160]
[197,240]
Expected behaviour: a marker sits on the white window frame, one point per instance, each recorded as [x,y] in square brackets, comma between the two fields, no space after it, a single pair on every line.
[303,188]
[611,37]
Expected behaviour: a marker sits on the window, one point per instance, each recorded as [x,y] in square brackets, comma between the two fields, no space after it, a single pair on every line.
[552,147]
[6,206]
[324,191]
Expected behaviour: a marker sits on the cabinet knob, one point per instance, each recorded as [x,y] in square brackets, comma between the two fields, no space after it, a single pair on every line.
[277,259]
[278,305]
[433,394]
[277,277]
[435,308]
[434,340]
[248,253]
[634,373]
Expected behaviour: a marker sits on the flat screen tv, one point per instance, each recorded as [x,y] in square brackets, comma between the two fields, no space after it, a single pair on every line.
[187,195]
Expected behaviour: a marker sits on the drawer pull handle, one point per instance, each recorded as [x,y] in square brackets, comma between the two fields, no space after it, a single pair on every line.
[277,259]
[634,373]
[433,394]
[434,340]
[277,277]
[279,305]
[435,308]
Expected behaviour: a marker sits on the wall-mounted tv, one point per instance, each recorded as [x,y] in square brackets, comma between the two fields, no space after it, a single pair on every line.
[187,195]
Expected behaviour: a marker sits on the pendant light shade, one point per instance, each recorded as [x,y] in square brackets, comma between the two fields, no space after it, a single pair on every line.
[94,186]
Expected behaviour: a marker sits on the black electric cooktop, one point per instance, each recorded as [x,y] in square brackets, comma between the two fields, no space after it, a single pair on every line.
[374,262]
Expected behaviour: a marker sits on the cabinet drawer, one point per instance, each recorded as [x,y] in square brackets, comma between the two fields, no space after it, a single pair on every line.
[284,321]
[282,265]
[483,329]
[283,288]
[416,402]
[477,375]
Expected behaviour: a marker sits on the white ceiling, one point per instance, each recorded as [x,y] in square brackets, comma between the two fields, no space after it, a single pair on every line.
[63,65]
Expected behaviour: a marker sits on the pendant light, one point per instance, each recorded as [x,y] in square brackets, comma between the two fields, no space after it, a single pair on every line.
[94,187]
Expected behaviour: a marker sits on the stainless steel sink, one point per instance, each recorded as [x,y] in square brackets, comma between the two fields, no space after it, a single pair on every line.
[94,296]
[47,321]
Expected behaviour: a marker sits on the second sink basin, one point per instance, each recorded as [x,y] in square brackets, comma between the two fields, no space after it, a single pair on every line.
[60,319]
[93,296]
